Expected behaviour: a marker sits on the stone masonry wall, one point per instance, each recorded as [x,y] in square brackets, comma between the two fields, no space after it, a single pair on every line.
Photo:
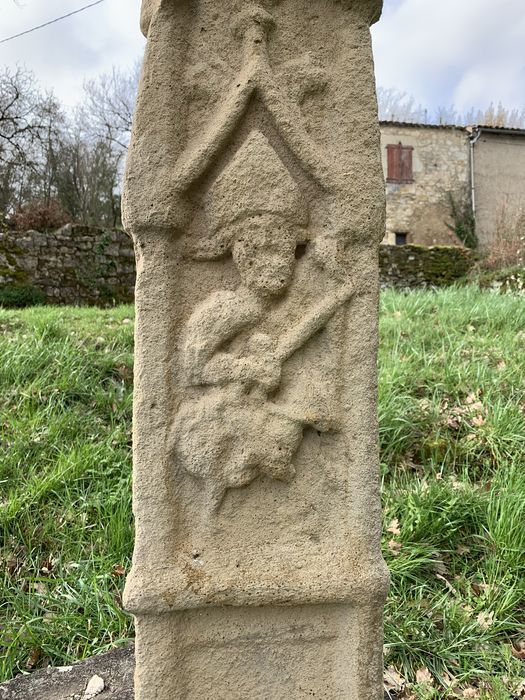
[82,265]
[411,266]
[421,209]
[74,265]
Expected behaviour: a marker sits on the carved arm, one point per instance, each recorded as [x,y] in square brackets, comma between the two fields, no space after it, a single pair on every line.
[218,319]
[316,319]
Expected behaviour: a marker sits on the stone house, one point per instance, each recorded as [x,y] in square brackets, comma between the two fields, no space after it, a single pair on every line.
[428,167]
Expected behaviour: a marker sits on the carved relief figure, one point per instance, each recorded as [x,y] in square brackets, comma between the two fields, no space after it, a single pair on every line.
[230,430]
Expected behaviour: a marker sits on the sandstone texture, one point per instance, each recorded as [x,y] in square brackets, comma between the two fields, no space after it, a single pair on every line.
[255,196]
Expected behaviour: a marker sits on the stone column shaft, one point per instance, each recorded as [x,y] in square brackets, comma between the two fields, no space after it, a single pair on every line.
[255,197]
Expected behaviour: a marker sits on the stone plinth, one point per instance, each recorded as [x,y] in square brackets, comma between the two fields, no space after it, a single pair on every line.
[255,196]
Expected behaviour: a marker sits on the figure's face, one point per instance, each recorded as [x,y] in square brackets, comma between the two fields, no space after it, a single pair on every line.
[264,254]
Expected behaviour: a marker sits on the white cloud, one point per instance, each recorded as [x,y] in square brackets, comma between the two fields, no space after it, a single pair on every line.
[467,52]
[64,54]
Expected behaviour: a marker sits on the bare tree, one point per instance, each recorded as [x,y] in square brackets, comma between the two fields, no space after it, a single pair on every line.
[398,106]
[497,116]
[50,161]
[87,176]
[22,128]
[109,103]
[105,119]
[19,117]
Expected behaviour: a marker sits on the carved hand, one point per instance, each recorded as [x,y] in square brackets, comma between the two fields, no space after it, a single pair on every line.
[265,365]
[267,372]
[345,292]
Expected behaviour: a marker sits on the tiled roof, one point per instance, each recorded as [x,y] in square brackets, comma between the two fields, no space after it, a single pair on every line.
[469,129]
[388,122]
[497,130]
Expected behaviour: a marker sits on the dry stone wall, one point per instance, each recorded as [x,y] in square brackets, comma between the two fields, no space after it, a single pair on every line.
[412,266]
[86,265]
[74,265]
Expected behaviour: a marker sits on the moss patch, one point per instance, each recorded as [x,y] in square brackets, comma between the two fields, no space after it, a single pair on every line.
[419,266]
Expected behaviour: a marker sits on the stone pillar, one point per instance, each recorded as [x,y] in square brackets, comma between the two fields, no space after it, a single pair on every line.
[255,197]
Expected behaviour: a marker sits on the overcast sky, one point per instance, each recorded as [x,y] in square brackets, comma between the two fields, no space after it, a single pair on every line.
[462,52]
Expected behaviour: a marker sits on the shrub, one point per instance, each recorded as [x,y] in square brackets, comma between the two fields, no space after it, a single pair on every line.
[464,225]
[39,216]
[508,246]
[18,297]
[509,280]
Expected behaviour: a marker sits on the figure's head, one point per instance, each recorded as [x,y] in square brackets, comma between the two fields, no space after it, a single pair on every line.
[263,249]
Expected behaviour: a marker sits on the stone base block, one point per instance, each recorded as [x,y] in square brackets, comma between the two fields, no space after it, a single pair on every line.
[270,653]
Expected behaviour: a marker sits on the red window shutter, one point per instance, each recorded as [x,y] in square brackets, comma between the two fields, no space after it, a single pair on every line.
[399,163]
[393,163]
[406,163]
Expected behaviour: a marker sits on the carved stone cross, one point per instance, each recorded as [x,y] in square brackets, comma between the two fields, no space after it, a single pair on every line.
[254,193]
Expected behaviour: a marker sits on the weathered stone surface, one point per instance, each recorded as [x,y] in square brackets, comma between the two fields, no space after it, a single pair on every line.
[105,677]
[255,196]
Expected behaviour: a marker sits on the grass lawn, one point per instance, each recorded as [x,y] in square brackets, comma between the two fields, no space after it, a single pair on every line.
[452,421]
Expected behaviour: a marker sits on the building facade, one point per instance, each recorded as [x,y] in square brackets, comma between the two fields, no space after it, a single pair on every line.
[498,187]
[432,171]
